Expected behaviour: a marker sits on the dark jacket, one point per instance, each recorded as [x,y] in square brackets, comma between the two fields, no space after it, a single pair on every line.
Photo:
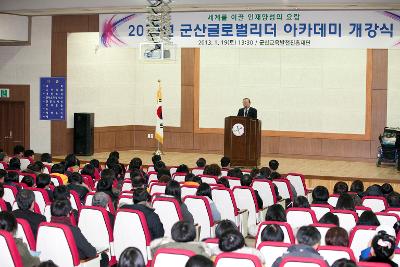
[259,200]
[85,249]
[299,250]
[8,205]
[81,190]
[112,219]
[154,223]
[50,194]
[27,259]
[34,219]
[381,260]
[252,113]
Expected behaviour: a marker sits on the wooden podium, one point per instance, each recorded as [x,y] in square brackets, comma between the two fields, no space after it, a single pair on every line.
[242,142]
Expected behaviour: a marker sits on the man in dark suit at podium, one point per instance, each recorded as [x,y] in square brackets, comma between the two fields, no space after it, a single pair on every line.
[247,111]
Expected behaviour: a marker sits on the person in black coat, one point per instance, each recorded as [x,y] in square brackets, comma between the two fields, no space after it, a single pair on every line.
[25,201]
[76,183]
[101,199]
[246,180]
[141,202]
[247,111]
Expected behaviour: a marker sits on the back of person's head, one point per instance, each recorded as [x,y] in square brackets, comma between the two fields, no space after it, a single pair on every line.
[61,192]
[231,241]
[329,218]
[174,189]
[275,213]
[183,231]
[1,190]
[155,159]
[12,177]
[108,174]
[14,164]
[374,190]
[225,161]
[386,188]
[28,180]
[25,199]
[235,172]
[264,172]
[201,163]
[70,161]
[114,154]
[183,168]
[393,200]
[308,235]
[337,236]
[224,226]
[320,194]
[60,208]
[8,222]
[48,263]
[100,199]
[246,180]
[164,179]
[46,157]
[135,164]
[3,156]
[163,171]
[273,165]
[29,153]
[159,165]
[344,263]
[131,257]
[75,178]
[272,232]
[197,179]
[275,175]
[199,261]
[357,186]
[111,161]
[345,202]
[95,163]
[204,190]
[189,177]
[88,169]
[368,218]
[57,168]
[104,185]
[137,179]
[301,202]
[36,167]
[141,195]
[340,188]
[383,245]
[224,182]
[3,173]
[254,172]
[212,169]
[18,150]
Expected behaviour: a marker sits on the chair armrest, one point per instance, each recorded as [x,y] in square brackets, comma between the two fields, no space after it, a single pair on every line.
[242,211]
[198,229]
[89,259]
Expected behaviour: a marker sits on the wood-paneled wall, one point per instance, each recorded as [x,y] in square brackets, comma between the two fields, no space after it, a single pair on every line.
[185,138]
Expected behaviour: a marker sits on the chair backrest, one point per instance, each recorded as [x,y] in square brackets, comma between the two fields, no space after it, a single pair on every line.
[125,200]
[286,228]
[372,264]
[24,232]
[41,198]
[246,200]
[100,233]
[302,262]
[24,163]
[321,209]
[376,204]
[333,253]
[75,200]
[172,169]
[333,199]
[212,243]
[284,189]
[298,182]
[150,169]
[360,237]
[266,191]
[157,188]
[197,171]
[56,180]
[9,254]
[229,259]
[3,205]
[393,210]
[272,250]
[131,230]
[200,208]
[396,256]
[3,165]
[165,256]
[307,217]
[188,190]
[10,193]
[323,228]
[386,218]
[225,202]
[152,176]
[361,209]
[233,181]
[56,242]
[347,219]
[88,180]
[208,179]
[169,211]
[179,176]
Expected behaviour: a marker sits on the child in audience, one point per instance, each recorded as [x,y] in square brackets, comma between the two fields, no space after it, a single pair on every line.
[8,223]
[212,169]
[14,164]
[29,154]
[131,257]
[344,263]
[301,202]
[101,199]
[223,181]
[357,186]
[393,200]
[46,159]
[199,261]
[337,236]
[340,188]
[273,165]
[28,180]
[368,218]
[75,181]
[329,218]
[201,163]
[383,246]
[205,191]
[345,202]
[12,179]
[59,170]
[275,213]
[19,151]
[183,168]
[272,233]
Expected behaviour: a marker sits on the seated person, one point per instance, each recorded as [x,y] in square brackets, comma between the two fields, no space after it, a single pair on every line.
[58,170]
[105,185]
[225,163]
[233,241]
[25,201]
[46,159]
[9,207]
[308,239]
[60,211]
[137,179]
[101,199]
[189,180]
[183,235]
[246,180]
[8,223]
[272,233]
[43,181]
[329,218]
[337,236]
[368,218]
[212,169]
[345,202]
[131,257]
[199,261]
[28,180]
[12,179]
[383,246]
[75,181]
[344,263]
[320,195]
[276,213]
[142,202]
[301,202]
[393,200]
[201,163]
[223,181]
[205,191]
[14,164]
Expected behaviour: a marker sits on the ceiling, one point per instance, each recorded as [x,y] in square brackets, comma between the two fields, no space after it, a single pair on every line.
[52,7]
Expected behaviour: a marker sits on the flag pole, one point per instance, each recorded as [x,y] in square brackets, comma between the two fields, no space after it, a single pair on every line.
[159,132]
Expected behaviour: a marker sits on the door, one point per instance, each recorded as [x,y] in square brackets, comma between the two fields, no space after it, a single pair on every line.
[12,125]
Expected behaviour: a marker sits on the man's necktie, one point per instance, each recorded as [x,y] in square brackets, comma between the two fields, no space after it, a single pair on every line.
[245,112]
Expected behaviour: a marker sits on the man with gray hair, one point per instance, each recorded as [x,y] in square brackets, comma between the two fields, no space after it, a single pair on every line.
[101,199]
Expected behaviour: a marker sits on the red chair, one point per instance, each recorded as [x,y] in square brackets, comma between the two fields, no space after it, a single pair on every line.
[25,233]
[41,198]
[334,253]
[179,176]
[321,209]
[75,200]
[197,171]
[296,261]
[157,188]
[284,188]
[165,256]
[169,211]
[372,264]
[298,182]
[266,191]
[88,180]
[323,228]
[9,254]
[233,181]
[272,250]
[333,199]
[56,180]
[3,205]
[229,259]
[393,210]
[377,204]
[200,208]
[307,217]
[347,218]
[208,179]
[10,193]
[360,237]
[361,209]
[3,165]
[188,190]
[286,228]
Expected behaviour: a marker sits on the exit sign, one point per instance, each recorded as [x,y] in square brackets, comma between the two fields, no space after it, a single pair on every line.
[4,93]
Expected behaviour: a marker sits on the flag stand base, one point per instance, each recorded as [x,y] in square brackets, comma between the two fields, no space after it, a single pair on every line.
[158,150]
